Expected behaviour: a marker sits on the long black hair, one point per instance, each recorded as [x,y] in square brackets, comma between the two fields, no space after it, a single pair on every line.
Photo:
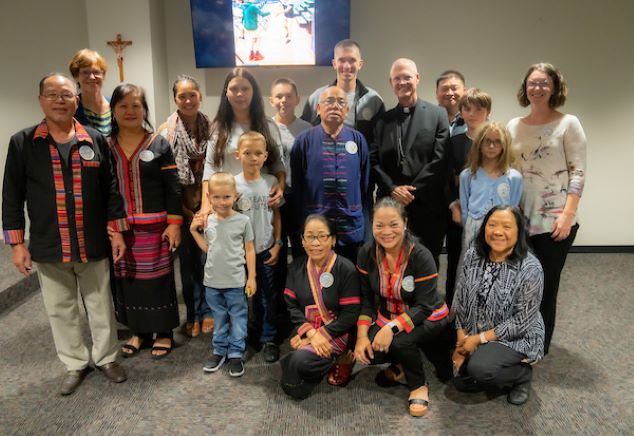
[121,92]
[224,118]
[520,250]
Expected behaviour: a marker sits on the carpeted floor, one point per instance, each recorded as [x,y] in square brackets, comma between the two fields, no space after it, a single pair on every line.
[585,386]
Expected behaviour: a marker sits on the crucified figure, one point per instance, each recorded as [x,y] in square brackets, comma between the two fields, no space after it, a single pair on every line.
[119,44]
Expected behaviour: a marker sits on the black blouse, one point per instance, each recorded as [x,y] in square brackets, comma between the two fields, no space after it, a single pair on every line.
[415,298]
[341,298]
[148,182]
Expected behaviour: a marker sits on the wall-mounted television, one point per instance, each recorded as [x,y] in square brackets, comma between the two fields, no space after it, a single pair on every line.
[229,33]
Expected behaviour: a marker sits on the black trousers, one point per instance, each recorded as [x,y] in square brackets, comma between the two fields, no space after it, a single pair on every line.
[552,255]
[428,226]
[302,371]
[493,365]
[405,349]
[453,242]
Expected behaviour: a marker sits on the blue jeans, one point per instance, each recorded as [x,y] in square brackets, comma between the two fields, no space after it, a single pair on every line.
[264,301]
[192,260]
[230,310]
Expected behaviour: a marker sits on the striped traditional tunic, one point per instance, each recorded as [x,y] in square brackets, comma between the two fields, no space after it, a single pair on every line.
[407,296]
[144,278]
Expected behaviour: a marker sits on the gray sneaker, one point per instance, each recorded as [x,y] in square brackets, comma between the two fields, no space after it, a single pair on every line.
[214,363]
[236,367]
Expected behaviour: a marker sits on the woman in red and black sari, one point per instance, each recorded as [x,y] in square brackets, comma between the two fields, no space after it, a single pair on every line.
[401,274]
[322,295]
[145,291]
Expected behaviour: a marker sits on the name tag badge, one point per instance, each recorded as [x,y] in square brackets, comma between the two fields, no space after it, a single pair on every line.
[244,204]
[86,152]
[146,156]
[351,147]
[326,280]
[408,284]
[504,191]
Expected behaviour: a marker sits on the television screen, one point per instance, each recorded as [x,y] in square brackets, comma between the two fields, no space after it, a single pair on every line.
[230,33]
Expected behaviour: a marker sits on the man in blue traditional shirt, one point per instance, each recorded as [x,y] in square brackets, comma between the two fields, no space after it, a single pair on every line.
[330,170]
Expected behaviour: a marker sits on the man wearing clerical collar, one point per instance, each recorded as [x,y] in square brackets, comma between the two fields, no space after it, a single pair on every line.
[408,156]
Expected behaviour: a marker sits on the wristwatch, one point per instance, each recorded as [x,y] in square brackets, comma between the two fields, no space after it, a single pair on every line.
[279,242]
[394,327]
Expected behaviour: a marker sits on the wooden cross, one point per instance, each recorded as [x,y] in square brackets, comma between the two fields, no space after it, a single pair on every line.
[118,45]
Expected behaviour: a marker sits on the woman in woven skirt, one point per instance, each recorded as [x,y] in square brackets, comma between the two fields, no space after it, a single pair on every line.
[148,182]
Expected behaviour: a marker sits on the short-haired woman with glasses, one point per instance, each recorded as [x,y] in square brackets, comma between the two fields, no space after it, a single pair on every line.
[322,295]
[89,70]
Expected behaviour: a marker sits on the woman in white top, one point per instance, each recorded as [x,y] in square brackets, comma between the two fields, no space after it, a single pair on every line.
[550,151]
[241,109]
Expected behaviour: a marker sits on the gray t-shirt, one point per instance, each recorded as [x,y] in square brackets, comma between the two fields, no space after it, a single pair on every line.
[253,202]
[226,256]
[287,137]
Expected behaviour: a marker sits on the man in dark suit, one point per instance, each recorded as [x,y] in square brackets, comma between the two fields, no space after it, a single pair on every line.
[408,156]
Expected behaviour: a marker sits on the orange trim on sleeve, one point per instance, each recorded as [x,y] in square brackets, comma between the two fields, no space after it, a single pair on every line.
[422,279]
[362,271]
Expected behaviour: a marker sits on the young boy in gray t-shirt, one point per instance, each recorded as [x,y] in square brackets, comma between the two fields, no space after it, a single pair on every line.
[254,188]
[228,242]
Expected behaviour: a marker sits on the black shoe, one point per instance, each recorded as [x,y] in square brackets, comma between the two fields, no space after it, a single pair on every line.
[466,384]
[73,379]
[114,372]
[271,352]
[214,363]
[519,393]
[236,367]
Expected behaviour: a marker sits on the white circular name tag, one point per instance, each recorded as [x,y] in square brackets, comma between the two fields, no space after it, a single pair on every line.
[408,284]
[326,280]
[504,191]
[351,147]
[244,204]
[146,156]
[86,152]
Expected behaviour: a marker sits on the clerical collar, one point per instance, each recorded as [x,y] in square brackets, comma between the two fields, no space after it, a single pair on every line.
[408,110]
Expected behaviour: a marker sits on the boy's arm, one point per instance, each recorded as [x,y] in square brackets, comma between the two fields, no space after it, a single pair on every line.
[277,235]
[193,228]
[249,249]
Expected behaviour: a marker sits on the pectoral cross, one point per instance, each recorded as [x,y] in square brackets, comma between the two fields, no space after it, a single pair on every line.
[118,45]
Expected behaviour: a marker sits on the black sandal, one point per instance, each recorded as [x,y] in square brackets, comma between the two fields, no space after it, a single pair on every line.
[384,381]
[133,351]
[421,402]
[167,350]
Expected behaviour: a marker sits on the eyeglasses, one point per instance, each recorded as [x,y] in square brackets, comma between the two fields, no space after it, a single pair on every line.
[492,142]
[334,101]
[66,96]
[538,84]
[88,73]
[322,237]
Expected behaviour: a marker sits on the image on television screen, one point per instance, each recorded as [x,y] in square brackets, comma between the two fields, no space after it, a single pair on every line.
[230,33]
[274,32]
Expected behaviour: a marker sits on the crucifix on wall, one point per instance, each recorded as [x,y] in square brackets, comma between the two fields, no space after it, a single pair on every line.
[118,45]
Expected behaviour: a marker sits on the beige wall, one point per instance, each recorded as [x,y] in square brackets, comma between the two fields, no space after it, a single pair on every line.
[491,41]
